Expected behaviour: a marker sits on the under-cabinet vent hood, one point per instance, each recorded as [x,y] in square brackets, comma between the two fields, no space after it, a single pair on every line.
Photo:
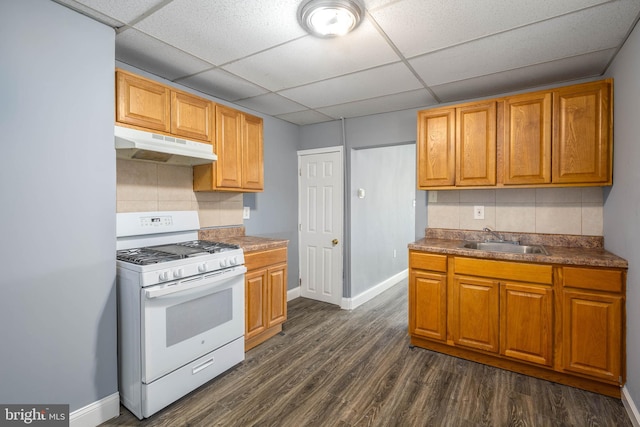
[139,145]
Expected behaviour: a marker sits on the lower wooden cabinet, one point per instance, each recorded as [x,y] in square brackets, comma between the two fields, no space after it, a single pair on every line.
[265,295]
[593,322]
[429,291]
[474,313]
[526,322]
[561,323]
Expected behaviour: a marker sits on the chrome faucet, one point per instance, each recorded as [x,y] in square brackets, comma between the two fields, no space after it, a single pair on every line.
[494,234]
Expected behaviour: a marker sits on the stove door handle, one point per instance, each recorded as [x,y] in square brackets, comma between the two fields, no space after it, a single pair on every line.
[195,283]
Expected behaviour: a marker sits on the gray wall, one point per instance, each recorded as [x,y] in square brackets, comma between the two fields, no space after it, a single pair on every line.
[380,130]
[57,222]
[622,201]
[384,220]
[274,212]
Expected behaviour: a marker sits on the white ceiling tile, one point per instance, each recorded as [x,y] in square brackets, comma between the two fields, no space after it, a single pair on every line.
[290,64]
[463,49]
[395,102]
[220,84]
[521,79]
[116,9]
[420,26]
[272,104]
[88,11]
[224,30]
[380,81]
[306,117]
[541,43]
[144,52]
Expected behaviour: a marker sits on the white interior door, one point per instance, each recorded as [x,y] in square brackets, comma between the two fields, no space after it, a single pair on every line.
[321,199]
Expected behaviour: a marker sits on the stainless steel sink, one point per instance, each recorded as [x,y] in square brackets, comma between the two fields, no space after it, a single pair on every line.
[511,247]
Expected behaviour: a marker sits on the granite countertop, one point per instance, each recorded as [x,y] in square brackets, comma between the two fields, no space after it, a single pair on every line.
[561,249]
[236,236]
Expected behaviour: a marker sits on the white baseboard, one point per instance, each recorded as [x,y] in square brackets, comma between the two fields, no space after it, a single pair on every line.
[293,293]
[97,412]
[631,407]
[351,303]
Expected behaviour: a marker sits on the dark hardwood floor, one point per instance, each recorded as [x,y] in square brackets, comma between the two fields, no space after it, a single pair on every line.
[333,367]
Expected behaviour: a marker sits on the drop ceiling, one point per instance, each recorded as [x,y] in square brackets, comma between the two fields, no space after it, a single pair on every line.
[405,54]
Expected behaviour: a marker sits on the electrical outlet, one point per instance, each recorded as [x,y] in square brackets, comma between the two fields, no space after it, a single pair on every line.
[433,196]
[394,253]
[478,212]
[246,212]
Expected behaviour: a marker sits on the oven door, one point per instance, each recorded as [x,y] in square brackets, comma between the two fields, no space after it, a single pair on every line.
[186,319]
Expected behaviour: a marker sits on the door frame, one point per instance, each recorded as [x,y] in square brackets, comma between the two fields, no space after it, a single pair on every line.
[339,287]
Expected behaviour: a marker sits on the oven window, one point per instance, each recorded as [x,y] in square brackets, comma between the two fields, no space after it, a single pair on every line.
[194,317]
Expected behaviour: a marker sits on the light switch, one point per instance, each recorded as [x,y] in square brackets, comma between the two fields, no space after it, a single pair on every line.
[246,212]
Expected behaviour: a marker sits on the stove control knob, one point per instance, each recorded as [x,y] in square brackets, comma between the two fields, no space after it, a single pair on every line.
[233,261]
[223,263]
[202,268]
[164,275]
[178,273]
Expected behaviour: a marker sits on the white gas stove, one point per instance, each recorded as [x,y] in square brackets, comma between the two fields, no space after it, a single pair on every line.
[180,308]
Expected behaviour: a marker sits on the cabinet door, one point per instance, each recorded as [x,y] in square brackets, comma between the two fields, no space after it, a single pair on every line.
[255,303]
[476,144]
[277,292]
[582,145]
[428,305]
[527,139]
[591,334]
[252,157]
[191,116]
[228,147]
[526,325]
[142,102]
[474,313]
[436,148]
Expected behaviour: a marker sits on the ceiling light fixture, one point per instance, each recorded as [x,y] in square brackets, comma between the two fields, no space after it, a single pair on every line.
[330,18]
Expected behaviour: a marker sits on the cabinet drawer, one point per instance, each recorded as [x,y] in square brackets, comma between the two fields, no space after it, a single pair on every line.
[424,261]
[261,259]
[534,273]
[591,278]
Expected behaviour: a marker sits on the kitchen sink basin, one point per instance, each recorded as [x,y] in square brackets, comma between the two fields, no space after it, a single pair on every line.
[511,247]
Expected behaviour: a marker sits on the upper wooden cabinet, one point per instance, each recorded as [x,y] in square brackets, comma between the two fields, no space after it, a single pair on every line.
[239,147]
[582,134]
[560,137]
[148,105]
[527,139]
[436,147]
[457,146]
[476,144]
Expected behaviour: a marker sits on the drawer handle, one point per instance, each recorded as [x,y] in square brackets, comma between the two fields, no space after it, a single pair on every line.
[202,366]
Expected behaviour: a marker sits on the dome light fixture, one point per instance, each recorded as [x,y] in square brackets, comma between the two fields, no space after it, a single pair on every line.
[330,18]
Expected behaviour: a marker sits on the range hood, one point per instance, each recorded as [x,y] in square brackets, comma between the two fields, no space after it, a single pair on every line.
[140,145]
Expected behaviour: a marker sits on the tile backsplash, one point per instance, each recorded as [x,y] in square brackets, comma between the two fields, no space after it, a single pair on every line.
[575,210]
[145,186]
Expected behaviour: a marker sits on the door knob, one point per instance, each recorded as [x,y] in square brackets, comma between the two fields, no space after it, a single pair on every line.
[334,242]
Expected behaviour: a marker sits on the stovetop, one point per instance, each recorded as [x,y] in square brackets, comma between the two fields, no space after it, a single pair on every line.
[171,252]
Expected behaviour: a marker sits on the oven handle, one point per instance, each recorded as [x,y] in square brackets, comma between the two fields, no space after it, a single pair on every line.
[188,286]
